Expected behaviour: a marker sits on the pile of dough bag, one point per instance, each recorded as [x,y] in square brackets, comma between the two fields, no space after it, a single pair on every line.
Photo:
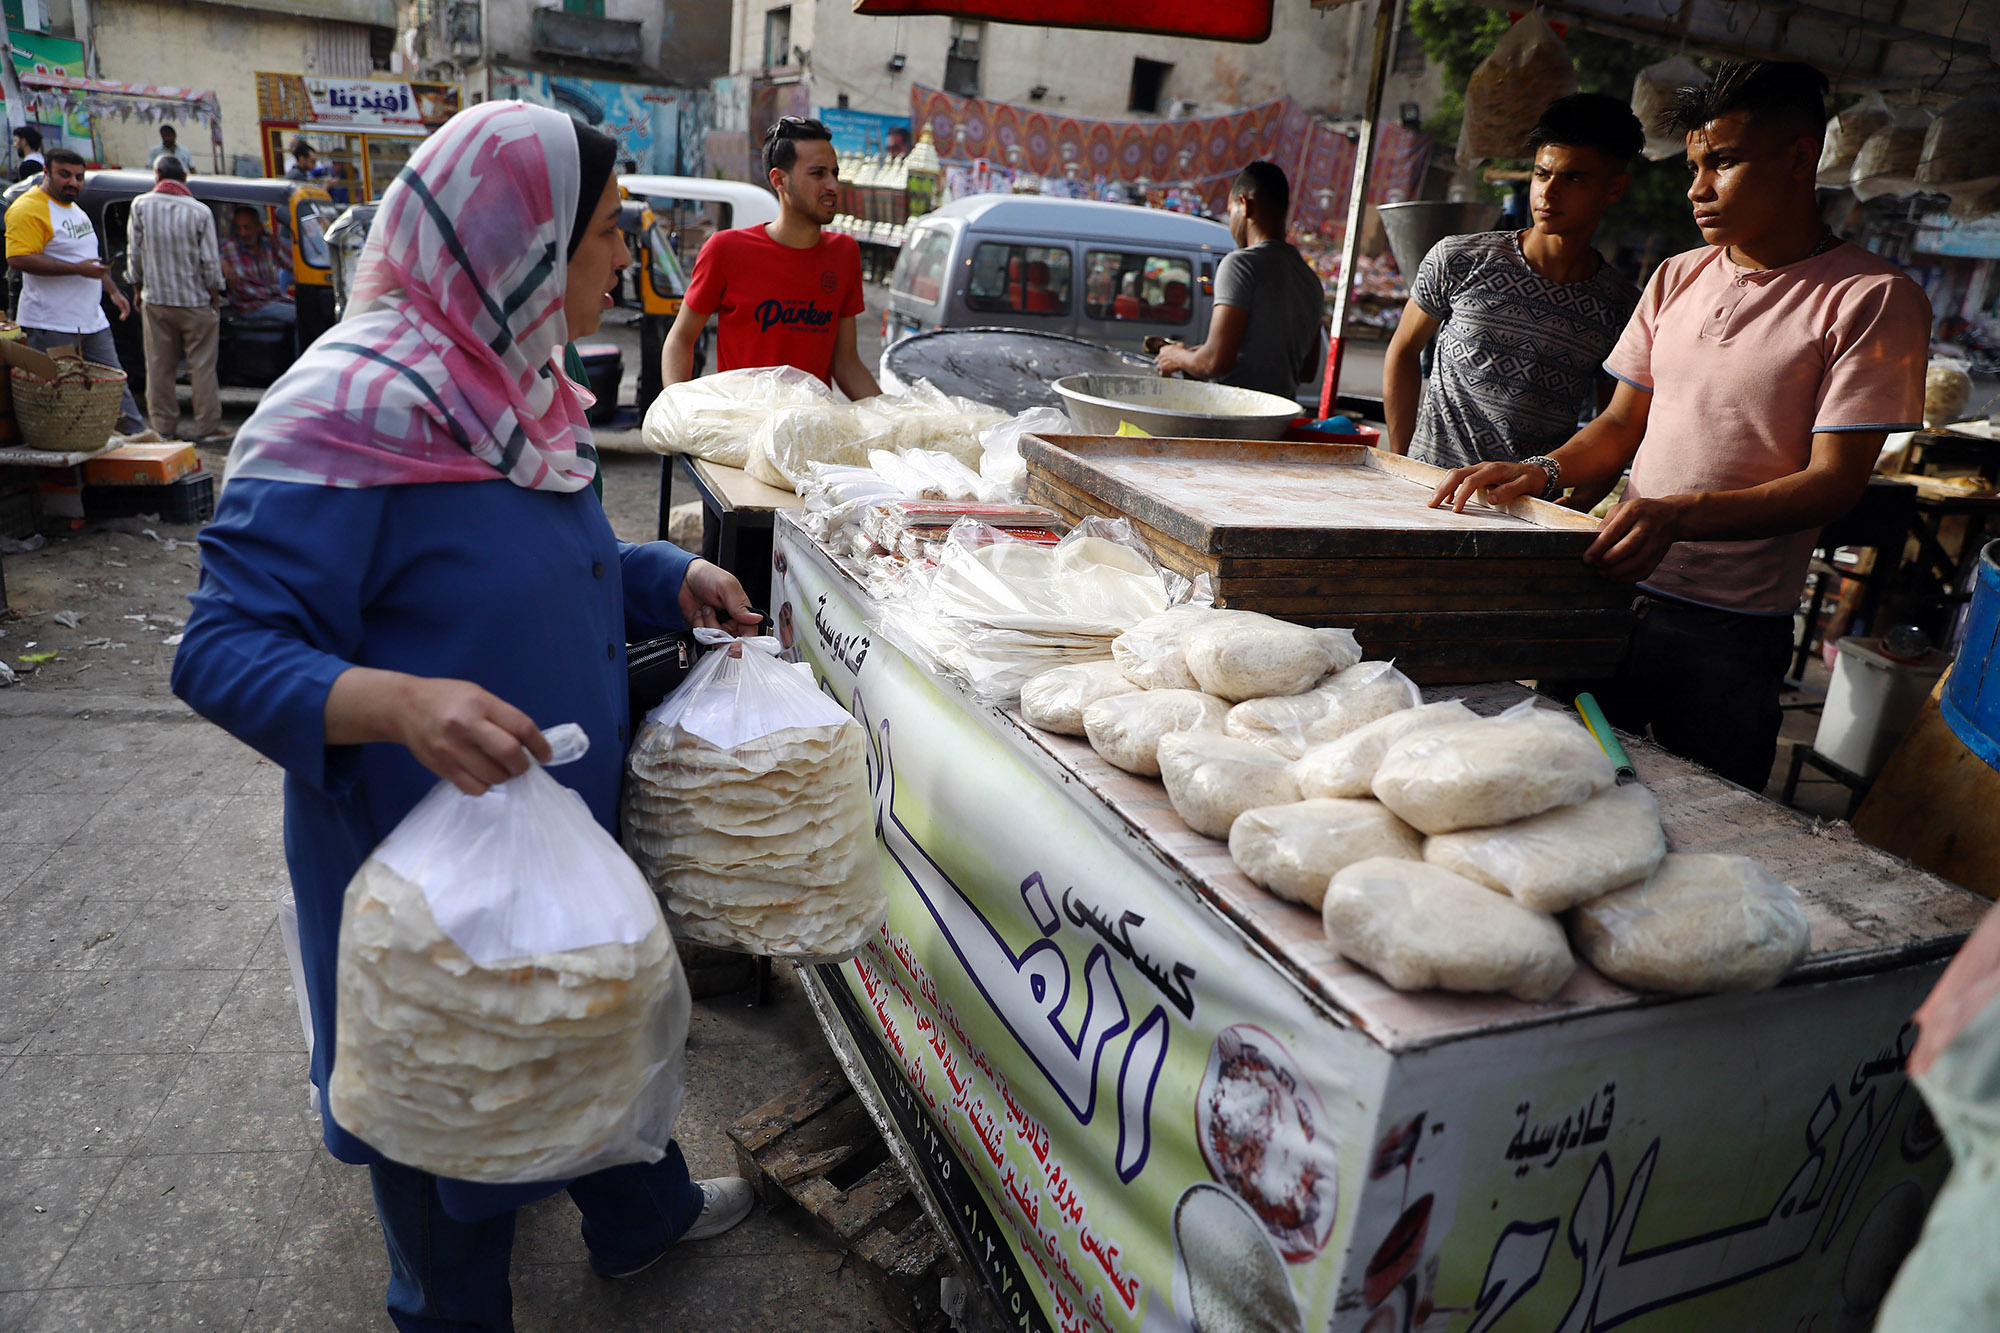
[715,417]
[746,804]
[997,611]
[510,1004]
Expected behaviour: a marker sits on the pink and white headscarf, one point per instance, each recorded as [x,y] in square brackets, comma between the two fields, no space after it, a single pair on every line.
[448,365]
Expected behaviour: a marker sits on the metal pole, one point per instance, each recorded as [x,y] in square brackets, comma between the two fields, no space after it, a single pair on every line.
[1357,199]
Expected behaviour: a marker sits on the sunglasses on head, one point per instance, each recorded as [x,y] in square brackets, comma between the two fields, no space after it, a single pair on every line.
[784,127]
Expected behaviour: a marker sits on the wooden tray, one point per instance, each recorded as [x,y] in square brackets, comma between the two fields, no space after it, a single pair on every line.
[1338,534]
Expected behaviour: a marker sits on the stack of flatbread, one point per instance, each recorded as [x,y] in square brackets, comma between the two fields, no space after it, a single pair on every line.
[767,846]
[522,1071]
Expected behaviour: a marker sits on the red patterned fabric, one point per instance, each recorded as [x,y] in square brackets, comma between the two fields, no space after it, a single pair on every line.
[1220,20]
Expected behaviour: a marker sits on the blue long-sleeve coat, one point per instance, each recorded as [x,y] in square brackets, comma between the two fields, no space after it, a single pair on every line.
[527,593]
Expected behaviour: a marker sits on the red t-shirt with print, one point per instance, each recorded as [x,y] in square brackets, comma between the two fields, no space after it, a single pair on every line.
[774,305]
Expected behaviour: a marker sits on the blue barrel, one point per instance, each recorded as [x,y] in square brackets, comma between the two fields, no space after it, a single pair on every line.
[1971,702]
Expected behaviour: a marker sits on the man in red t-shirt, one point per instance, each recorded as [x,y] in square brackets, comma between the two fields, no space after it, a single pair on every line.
[785,294]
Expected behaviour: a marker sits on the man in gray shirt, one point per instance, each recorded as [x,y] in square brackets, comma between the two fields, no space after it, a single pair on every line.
[1523,320]
[1264,331]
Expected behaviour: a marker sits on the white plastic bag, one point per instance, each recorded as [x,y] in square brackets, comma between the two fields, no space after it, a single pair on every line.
[511,1007]
[714,417]
[1256,656]
[1345,767]
[1561,857]
[1492,771]
[790,439]
[1211,779]
[1511,88]
[1700,922]
[1845,133]
[1887,162]
[1947,392]
[1295,850]
[1153,653]
[1418,926]
[1000,460]
[1654,98]
[746,803]
[1961,154]
[1346,701]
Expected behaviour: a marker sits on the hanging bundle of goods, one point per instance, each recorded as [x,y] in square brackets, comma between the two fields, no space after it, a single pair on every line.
[1961,155]
[1845,133]
[1511,88]
[1655,92]
[1887,162]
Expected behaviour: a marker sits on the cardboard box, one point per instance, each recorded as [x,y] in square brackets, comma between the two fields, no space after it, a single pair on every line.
[141,465]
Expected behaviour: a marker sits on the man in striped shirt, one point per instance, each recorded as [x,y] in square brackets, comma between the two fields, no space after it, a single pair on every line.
[172,261]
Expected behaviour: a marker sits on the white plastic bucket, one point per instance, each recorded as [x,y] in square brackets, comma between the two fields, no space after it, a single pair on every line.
[1871,702]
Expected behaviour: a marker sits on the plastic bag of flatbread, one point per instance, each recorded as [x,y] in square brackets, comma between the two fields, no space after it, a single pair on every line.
[716,416]
[1126,729]
[1346,701]
[1418,927]
[1511,88]
[790,439]
[1887,162]
[1254,656]
[1701,922]
[1295,850]
[1493,771]
[1947,391]
[510,1005]
[1555,860]
[1654,99]
[1153,653]
[1346,766]
[1211,779]
[747,805]
[1846,131]
[1961,154]
[1055,700]
[923,416]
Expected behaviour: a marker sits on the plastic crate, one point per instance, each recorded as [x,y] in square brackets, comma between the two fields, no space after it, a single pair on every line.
[188,499]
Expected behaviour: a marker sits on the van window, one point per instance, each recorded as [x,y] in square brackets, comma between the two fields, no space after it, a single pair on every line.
[1141,288]
[1019,279]
[920,268]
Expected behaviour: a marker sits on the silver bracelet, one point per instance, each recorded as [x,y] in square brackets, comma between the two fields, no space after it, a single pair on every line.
[1554,469]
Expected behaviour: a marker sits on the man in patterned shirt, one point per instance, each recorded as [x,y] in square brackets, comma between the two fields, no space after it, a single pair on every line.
[1523,320]
[259,272]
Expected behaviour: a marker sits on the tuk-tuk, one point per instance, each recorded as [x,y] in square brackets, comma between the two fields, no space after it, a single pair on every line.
[251,352]
[666,219]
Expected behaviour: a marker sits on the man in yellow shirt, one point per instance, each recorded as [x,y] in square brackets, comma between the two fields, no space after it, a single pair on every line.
[64,284]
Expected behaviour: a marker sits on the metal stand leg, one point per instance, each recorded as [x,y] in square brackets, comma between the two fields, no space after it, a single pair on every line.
[1792,774]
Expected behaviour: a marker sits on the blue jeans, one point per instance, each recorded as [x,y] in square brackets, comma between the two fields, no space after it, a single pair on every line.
[448,1276]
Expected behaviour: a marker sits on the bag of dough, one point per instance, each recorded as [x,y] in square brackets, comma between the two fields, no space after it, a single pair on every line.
[1346,767]
[1153,653]
[1126,729]
[1254,656]
[1211,779]
[1654,99]
[1511,88]
[716,416]
[1555,860]
[1418,927]
[510,1006]
[1887,162]
[790,439]
[1493,771]
[1347,701]
[747,805]
[1703,921]
[1845,133]
[1055,700]
[1295,850]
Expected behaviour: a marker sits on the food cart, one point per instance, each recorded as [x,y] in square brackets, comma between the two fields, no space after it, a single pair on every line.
[1144,1094]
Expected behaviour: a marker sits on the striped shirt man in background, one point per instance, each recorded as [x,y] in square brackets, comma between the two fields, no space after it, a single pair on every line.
[173,264]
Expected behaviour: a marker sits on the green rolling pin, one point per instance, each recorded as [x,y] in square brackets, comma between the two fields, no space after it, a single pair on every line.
[1607,739]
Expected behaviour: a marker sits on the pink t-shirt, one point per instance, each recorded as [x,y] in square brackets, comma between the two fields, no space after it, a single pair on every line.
[1745,366]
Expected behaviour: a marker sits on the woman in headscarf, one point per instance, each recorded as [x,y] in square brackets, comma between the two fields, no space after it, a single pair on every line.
[409,575]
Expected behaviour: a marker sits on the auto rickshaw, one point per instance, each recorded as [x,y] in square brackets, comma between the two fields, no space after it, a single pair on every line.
[665,220]
[252,352]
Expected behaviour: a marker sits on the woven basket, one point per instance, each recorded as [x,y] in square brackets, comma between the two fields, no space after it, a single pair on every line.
[72,413]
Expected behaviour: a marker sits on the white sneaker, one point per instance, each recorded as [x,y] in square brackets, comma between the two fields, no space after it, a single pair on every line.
[725,1201]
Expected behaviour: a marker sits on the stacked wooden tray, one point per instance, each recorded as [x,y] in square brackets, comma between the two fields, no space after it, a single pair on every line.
[1336,534]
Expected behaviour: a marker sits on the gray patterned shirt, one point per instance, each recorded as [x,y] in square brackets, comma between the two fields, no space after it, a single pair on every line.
[1517,357]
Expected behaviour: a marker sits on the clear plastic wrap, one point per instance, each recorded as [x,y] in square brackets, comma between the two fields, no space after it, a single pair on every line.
[1511,88]
[997,611]
[791,439]
[511,1007]
[1654,97]
[1887,162]
[1292,724]
[924,417]
[1055,700]
[1700,922]
[1257,656]
[1557,859]
[1000,460]
[1126,729]
[1493,771]
[1153,653]
[1947,392]
[715,417]
[1345,767]
[1420,927]
[1294,850]
[1961,153]
[1845,133]
[1211,779]
[746,803]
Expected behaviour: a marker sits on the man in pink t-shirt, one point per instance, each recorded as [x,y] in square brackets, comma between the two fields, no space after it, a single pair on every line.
[1757,379]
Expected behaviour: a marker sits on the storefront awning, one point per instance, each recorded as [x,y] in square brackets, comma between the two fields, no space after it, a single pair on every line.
[1217,20]
[103,97]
